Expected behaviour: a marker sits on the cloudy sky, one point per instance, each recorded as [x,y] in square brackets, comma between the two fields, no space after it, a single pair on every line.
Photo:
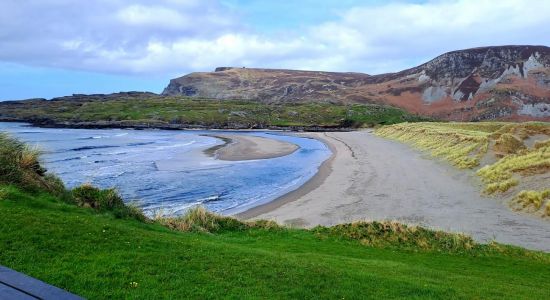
[51,48]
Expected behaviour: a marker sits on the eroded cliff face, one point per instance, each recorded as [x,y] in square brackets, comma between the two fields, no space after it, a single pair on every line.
[506,82]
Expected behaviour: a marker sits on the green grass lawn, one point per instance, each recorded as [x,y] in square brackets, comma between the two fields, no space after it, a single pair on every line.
[99,256]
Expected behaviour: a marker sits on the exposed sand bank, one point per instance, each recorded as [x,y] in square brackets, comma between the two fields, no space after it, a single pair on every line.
[247,147]
[371,178]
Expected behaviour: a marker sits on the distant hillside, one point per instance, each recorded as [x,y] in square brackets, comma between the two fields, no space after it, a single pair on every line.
[147,110]
[505,82]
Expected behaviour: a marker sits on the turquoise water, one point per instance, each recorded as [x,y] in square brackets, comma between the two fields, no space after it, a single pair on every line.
[166,171]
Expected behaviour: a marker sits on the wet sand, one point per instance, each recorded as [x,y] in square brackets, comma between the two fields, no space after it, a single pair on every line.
[371,178]
[317,180]
[247,147]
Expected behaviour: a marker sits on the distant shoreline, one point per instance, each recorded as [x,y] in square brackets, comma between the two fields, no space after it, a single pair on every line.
[167,126]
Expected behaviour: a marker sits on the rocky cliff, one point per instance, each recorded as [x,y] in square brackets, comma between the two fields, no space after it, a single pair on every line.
[505,82]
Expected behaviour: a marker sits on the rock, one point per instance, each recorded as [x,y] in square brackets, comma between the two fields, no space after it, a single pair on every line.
[241,114]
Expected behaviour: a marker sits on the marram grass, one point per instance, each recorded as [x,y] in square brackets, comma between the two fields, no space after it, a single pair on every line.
[501,186]
[534,199]
[465,145]
[461,145]
[529,162]
[198,219]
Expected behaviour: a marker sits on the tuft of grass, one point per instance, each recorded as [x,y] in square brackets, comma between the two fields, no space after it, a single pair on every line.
[87,195]
[521,130]
[20,165]
[198,219]
[501,186]
[529,162]
[105,200]
[508,144]
[3,193]
[542,144]
[393,234]
[534,199]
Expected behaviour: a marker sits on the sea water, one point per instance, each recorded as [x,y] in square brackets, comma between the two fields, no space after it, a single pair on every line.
[167,171]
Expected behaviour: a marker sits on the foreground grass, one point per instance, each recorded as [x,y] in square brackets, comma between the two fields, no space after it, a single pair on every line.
[163,111]
[466,144]
[99,256]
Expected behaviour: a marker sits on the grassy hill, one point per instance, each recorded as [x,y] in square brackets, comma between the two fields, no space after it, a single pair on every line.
[99,256]
[150,110]
[87,241]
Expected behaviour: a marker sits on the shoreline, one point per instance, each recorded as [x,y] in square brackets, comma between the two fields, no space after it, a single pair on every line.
[325,169]
[168,126]
[370,178]
[248,147]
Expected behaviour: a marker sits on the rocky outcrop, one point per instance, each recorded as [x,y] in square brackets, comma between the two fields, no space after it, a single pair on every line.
[106,97]
[505,82]
[266,85]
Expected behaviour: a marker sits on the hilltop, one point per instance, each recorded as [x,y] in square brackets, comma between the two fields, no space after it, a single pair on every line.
[504,82]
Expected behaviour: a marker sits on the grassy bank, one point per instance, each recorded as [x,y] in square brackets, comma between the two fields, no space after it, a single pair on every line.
[98,256]
[87,241]
[172,111]
[509,157]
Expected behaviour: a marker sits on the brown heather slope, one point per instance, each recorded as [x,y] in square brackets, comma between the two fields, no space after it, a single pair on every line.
[505,82]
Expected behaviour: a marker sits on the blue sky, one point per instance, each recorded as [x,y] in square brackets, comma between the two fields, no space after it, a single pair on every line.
[52,48]
[18,81]
[276,15]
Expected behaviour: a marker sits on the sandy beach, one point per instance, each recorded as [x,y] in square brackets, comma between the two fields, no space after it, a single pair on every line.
[371,178]
[247,147]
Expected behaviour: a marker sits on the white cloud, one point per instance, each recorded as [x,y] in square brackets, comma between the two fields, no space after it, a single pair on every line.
[178,36]
[142,15]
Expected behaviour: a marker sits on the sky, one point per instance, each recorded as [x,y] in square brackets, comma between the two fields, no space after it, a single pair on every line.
[51,48]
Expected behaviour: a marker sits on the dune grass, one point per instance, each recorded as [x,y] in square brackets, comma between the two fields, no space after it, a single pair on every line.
[85,241]
[465,145]
[198,219]
[533,198]
[20,165]
[529,162]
